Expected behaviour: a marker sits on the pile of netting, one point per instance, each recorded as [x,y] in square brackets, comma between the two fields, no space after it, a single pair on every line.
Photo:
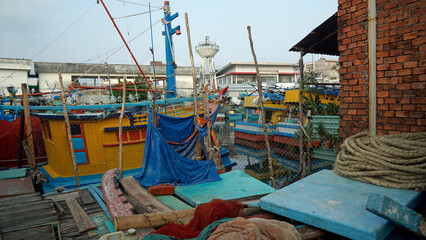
[396,161]
[204,215]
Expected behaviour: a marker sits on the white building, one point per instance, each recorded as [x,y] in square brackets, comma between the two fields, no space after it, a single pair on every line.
[327,70]
[13,72]
[16,71]
[239,75]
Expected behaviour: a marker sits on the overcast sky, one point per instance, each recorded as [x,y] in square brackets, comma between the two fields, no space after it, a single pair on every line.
[28,26]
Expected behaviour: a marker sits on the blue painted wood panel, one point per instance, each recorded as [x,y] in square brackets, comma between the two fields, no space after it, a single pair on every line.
[13,173]
[80,157]
[173,202]
[336,204]
[78,143]
[235,184]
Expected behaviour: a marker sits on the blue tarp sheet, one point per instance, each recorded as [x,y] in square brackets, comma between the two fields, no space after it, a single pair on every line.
[163,164]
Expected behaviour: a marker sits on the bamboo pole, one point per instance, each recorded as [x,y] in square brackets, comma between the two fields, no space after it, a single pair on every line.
[262,110]
[198,148]
[31,158]
[67,124]
[302,164]
[194,84]
[150,220]
[120,130]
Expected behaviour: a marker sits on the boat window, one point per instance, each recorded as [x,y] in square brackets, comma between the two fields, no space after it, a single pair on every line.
[75,129]
[134,135]
[124,136]
[45,128]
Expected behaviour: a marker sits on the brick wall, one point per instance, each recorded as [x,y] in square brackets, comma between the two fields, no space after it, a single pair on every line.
[401,70]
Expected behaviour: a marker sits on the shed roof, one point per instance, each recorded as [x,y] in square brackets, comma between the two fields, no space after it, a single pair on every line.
[322,40]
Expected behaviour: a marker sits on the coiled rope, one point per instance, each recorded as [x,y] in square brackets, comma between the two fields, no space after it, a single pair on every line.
[396,161]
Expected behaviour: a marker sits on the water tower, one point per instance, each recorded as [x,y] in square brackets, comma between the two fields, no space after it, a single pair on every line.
[207,50]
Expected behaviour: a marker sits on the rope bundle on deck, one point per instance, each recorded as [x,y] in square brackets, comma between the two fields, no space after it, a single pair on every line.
[396,161]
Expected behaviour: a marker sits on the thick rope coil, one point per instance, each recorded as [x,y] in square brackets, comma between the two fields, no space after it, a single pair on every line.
[396,161]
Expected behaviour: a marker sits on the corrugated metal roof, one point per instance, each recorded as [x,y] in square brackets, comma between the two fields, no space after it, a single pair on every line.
[322,40]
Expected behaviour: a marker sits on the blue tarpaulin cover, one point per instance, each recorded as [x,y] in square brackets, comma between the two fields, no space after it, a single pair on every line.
[163,164]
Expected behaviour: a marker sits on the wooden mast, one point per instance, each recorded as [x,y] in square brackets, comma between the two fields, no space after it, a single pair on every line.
[67,125]
[120,130]
[31,158]
[262,110]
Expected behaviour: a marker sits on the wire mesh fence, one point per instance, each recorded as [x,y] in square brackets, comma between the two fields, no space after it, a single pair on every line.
[297,146]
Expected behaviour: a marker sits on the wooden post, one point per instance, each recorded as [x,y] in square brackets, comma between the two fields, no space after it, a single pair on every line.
[67,124]
[302,164]
[262,110]
[31,158]
[194,79]
[149,220]
[120,130]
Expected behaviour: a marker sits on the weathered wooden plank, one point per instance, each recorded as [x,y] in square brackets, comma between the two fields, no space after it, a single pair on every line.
[25,198]
[99,201]
[308,232]
[16,186]
[82,220]
[48,216]
[14,210]
[59,208]
[13,173]
[173,202]
[89,209]
[142,196]
[43,232]
[62,196]
[391,210]
[86,197]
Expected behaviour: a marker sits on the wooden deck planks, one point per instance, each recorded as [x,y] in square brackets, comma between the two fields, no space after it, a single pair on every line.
[16,186]
[86,197]
[82,220]
[43,232]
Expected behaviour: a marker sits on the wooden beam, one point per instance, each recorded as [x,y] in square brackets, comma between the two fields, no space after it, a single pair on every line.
[31,158]
[150,220]
[262,111]
[82,220]
[67,124]
[142,196]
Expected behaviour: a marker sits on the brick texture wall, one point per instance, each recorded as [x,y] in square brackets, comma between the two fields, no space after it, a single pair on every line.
[401,66]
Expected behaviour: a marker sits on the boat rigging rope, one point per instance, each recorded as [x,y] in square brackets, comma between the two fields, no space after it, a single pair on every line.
[51,42]
[396,161]
[115,51]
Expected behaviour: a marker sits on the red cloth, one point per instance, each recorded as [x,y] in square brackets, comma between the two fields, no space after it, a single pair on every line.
[9,139]
[205,214]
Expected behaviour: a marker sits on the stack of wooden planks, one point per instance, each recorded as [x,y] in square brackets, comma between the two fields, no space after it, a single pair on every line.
[27,216]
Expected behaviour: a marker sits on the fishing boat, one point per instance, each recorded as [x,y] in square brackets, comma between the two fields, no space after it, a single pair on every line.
[94,126]
[281,115]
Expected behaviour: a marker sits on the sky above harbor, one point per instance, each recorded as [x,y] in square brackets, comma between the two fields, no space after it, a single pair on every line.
[80,31]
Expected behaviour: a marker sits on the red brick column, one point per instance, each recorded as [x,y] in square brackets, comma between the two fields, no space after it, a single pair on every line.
[401,68]
[352,36]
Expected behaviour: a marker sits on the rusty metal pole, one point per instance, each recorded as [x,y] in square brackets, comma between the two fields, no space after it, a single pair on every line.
[262,110]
